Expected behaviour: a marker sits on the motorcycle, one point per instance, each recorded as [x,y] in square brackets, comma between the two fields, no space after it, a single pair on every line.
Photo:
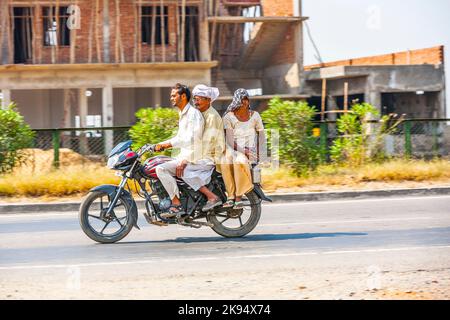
[108,212]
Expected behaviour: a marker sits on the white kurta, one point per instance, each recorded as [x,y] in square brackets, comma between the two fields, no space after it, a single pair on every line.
[189,140]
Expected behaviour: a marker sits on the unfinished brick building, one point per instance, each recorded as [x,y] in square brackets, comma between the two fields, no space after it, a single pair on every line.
[410,82]
[70,63]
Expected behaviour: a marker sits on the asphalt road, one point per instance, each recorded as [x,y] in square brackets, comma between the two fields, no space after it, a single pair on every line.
[396,248]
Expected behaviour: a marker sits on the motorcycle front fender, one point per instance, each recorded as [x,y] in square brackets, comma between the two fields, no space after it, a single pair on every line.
[111,191]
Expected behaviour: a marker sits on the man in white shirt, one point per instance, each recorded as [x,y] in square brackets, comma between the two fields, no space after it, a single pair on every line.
[188,165]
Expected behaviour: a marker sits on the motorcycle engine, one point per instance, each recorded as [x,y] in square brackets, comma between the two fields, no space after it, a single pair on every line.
[164,204]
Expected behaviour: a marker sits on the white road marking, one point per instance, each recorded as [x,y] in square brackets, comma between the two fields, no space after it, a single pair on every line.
[185,259]
[344,221]
[405,198]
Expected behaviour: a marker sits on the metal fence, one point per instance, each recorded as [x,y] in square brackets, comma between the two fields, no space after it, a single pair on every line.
[419,138]
[415,138]
[92,144]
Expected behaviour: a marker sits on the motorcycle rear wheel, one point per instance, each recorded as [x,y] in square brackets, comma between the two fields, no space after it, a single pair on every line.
[244,228]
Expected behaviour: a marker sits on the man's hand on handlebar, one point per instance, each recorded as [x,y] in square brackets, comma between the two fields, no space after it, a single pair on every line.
[162,146]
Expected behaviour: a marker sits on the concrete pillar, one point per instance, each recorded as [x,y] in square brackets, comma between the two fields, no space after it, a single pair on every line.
[205,54]
[156,97]
[6,98]
[108,117]
[331,106]
[83,112]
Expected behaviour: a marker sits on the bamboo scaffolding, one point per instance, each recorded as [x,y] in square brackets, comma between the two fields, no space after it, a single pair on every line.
[135,32]
[121,49]
[117,30]
[139,31]
[177,16]
[346,97]
[152,36]
[57,32]
[11,35]
[213,37]
[163,31]
[324,95]
[3,26]
[97,34]
[91,31]
[73,42]
[50,17]
[38,22]
[33,33]
[183,29]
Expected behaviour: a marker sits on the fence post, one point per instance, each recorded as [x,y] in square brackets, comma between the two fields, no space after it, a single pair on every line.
[56,143]
[323,141]
[434,126]
[408,146]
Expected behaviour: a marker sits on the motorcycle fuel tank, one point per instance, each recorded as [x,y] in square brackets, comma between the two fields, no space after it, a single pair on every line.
[149,167]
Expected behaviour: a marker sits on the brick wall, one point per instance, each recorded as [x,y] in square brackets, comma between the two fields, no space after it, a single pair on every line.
[130,34]
[282,8]
[285,53]
[433,55]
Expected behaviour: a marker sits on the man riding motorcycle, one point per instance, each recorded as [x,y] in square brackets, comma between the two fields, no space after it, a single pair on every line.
[190,165]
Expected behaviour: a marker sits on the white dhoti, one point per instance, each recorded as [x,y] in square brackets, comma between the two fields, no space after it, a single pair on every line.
[195,175]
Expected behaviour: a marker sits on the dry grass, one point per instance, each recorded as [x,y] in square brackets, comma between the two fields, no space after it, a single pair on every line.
[396,172]
[66,181]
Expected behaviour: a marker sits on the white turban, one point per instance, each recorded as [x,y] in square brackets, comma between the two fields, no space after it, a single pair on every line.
[204,91]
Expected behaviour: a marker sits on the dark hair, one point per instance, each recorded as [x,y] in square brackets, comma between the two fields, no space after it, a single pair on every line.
[181,88]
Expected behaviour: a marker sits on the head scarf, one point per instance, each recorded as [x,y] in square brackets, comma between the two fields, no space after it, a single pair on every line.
[204,91]
[239,94]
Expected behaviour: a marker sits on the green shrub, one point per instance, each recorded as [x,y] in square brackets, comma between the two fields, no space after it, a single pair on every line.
[155,125]
[297,147]
[15,135]
[359,140]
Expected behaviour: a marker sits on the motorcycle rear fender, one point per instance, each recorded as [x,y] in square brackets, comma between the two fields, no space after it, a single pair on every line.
[260,193]
[111,191]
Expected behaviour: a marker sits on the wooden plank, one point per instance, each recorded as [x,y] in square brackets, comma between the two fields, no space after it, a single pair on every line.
[346,97]
[236,19]
[324,96]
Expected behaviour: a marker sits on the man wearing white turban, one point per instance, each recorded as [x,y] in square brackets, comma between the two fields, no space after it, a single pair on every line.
[190,164]
[213,140]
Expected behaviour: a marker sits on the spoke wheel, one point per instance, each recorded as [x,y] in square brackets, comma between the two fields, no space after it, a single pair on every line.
[235,223]
[101,226]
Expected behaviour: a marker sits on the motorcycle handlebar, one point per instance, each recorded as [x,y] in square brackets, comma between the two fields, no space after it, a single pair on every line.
[147,148]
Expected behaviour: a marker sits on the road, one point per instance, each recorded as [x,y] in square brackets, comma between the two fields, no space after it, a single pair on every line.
[392,248]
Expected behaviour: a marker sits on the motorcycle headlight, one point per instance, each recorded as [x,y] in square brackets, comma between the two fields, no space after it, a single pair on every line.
[112,161]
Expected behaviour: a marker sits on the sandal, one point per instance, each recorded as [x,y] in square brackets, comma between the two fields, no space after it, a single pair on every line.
[211,205]
[174,211]
[238,205]
[229,203]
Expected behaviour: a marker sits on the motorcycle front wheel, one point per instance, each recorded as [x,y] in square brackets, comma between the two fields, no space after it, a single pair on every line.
[237,223]
[100,226]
